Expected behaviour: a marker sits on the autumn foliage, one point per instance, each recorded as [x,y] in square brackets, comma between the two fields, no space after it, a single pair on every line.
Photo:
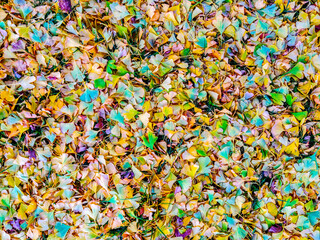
[158,119]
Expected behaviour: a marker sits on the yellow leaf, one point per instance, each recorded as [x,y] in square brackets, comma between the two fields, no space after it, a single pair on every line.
[293,148]
[193,151]
[32,207]
[272,209]
[22,211]
[166,203]
[230,31]
[191,170]
[167,111]
[24,32]
[250,140]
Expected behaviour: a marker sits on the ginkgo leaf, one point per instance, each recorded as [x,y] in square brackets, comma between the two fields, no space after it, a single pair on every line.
[114,115]
[62,229]
[221,23]
[99,83]
[204,167]
[278,98]
[77,74]
[297,70]
[89,95]
[239,233]
[190,170]
[316,61]
[26,82]
[185,184]
[150,141]
[262,26]
[300,115]
[202,41]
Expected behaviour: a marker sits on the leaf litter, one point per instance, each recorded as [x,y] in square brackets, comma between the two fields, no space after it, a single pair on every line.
[159,119]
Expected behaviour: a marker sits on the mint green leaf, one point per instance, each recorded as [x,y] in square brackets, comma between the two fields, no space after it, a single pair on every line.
[25,10]
[262,27]
[185,184]
[239,233]
[270,10]
[89,95]
[263,51]
[116,116]
[77,74]
[221,23]
[203,165]
[3,214]
[62,229]
[38,36]
[314,217]
[303,223]
[202,41]
[225,152]
[257,121]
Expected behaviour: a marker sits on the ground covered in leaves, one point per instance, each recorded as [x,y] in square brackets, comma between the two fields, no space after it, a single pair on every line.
[159,119]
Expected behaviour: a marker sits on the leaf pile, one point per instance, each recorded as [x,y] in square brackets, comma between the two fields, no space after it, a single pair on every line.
[159,119]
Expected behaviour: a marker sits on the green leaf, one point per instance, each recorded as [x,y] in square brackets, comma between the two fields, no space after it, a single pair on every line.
[202,41]
[291,203]
[303,223]
[3,214]
[3,113]
[122,71]
[164,69]
[257,121]
[70,99]
[300,115]
[122,31]
[263,51]
[62,229]
[309,206]
[111,66]
[25,10]
[201,152]
[297,70]
[278,98]
[100,83]
[89,95]
[185,52]
[150,141]
[224,153]
[290,100]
